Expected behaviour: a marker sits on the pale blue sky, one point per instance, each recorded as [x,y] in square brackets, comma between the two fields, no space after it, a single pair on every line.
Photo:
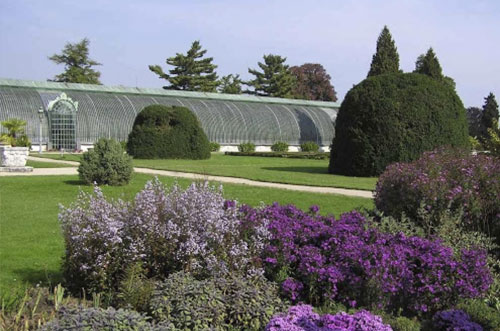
[126,36]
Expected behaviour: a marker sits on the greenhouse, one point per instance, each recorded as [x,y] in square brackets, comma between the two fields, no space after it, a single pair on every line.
[74,116]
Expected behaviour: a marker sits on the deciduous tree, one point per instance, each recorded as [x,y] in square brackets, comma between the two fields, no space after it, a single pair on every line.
[312,83]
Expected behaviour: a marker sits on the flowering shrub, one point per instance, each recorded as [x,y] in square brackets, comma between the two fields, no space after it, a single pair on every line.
[440,180]
[317,258]
[195,230]
[454,320]
[302,318]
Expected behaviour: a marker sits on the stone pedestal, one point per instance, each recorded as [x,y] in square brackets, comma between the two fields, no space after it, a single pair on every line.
[13,159]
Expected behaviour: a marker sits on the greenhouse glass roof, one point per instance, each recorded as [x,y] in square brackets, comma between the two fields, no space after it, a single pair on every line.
[103,111]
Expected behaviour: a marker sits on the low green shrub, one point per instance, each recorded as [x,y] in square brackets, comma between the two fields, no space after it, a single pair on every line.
[246,147]
[309,146]
[214,146]
[98,319]
[106,163]
[290,155]
[481,313]
[279,146]
[227,302]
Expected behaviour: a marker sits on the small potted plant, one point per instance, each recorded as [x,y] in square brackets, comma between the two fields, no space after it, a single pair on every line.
[14,146]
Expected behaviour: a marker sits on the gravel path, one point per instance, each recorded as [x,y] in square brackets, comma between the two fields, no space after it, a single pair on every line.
[222,179]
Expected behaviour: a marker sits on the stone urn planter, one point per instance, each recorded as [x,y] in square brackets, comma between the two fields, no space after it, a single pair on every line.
[14,158]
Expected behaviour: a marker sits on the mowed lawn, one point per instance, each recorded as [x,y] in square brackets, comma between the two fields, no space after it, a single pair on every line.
[267,169]
[31,245]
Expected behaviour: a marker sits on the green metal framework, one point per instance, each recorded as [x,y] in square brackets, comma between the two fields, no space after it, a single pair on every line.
[110,112]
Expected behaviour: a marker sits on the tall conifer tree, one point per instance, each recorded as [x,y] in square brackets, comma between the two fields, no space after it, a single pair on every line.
[275,80]
[386,58]
[191,71]
[490,114]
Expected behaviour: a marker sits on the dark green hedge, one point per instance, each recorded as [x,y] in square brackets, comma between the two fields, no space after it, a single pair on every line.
[162,132]
[395,117]
[291,155]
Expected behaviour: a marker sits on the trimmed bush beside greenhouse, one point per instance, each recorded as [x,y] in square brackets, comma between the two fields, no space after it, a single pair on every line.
[392,118]
[161,132]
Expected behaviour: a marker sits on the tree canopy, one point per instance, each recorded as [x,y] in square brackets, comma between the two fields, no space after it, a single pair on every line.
[77,64]
[386,58]
[312,83]
[230,84]
[275,80]
[191,71]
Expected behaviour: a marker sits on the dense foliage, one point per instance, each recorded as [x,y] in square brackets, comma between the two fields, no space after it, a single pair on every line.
[106,164]
[191,71]
[428,64]
[194,230]
[161,132]
[386,58]
[77,64]
[275,80]
[303,318]
[214,146]
[312,83]
[490,115]
[230,84]
[444,180]
[318,258]
[228,301]
[246,147]
[474,115]
[309,146]
[99,319]
[280,146]
[481,313]
[395,117]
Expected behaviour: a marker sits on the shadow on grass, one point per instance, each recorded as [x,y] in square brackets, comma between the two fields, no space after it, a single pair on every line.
[37,276]
[76,182]
[307,170]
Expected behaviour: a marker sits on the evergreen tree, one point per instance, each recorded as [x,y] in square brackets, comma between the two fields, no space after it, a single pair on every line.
[191,71]
[230,84]
[312,83]
[78,66]
[276,80]
[428,64]
[386,58]
[490,115]
[474,115]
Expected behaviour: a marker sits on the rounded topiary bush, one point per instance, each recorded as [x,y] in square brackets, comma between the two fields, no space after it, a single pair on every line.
[162,132]
[106,163]
[395,117]
[309,146]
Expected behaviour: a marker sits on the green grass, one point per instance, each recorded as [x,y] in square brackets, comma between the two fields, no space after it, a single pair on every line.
[266,169]
[41,164]
[31,245]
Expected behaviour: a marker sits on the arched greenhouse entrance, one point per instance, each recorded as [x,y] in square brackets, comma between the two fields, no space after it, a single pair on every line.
[62,123]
